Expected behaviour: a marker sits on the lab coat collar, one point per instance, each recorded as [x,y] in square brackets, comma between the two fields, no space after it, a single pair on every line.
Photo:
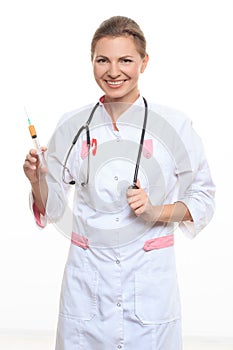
[138,102]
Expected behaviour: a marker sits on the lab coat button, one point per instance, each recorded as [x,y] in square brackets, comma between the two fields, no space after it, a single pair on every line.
[117,261]
[119,347]
[116,178]
[119,304]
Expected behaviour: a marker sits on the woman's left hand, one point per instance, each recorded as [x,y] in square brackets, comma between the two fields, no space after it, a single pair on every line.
[139,202]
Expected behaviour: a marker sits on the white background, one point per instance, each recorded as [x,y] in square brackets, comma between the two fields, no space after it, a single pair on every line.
[45,66]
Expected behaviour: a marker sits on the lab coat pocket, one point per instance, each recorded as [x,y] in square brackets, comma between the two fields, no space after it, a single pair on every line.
[79,294]
[156,297]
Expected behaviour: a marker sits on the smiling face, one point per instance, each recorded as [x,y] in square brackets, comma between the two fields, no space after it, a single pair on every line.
[117,65]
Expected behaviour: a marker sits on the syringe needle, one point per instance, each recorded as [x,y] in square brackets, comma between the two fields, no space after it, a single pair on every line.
[26,112]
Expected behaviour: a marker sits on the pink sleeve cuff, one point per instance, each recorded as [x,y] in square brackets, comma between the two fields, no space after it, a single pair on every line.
[37,216]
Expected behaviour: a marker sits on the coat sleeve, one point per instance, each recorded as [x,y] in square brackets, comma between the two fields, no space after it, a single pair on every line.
[40,220]
[58,147]
[57,200]
[57,206]
[57,191]
[197,189]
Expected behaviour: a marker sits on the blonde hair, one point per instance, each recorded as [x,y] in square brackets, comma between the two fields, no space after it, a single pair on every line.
[120,26]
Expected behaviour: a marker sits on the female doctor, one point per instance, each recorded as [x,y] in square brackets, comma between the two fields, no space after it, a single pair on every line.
[119,289]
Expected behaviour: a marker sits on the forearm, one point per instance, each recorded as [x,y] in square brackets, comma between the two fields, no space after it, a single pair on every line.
[176,212]
[40,195]
[140,203]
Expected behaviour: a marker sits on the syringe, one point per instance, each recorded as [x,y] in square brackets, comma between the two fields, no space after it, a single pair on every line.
[36,143]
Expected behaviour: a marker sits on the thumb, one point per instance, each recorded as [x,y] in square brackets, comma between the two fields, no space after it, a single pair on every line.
[138,183]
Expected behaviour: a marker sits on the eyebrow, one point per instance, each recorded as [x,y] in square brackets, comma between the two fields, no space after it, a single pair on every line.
[103,56]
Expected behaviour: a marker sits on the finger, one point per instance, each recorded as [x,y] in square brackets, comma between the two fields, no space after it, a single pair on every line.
[31,158]
[33,152]
[134,198]
[29,165]
[136,203]
[139,211]
[131,192]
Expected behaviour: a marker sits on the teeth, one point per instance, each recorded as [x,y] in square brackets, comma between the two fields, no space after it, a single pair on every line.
[115,82]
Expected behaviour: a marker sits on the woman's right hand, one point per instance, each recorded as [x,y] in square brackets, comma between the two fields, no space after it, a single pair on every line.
[32,167]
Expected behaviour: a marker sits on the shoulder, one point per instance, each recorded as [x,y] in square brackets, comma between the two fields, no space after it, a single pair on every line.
[79,113]
[174,117]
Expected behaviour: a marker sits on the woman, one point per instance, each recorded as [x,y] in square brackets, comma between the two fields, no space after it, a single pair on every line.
[120,289]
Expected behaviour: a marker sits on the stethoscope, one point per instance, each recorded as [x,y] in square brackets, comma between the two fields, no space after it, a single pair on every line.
[88,140]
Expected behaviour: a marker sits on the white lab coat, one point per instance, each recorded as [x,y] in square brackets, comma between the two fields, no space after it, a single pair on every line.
[120,289]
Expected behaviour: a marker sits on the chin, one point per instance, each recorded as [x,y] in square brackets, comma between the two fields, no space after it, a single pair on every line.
[115,95]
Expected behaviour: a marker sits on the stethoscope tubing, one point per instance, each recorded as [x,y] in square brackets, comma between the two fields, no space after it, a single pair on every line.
[140,146]
[86,127]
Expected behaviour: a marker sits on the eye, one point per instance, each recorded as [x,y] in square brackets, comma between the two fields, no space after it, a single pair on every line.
[101,60]
[126,60]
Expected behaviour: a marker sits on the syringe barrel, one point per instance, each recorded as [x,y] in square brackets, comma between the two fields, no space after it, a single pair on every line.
[39,152]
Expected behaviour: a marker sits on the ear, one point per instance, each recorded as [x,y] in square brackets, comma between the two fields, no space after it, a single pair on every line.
[144,63]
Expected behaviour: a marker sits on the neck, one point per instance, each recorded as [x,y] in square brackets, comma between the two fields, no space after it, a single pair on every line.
[116,107]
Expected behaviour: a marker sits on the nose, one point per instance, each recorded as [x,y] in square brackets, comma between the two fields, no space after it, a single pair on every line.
[114,71]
